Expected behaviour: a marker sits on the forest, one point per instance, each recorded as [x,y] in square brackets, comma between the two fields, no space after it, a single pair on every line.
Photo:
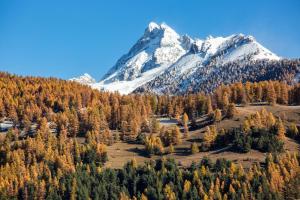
[58,144]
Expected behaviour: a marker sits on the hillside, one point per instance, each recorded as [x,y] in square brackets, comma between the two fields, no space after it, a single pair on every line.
[67,140]
[120,153]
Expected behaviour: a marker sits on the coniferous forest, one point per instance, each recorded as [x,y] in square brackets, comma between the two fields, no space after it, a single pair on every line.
[57,144]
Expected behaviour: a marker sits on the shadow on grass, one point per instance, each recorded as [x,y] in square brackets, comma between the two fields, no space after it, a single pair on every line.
[222,150]
[182,151]
[140,152]
[201,124]
[197,140]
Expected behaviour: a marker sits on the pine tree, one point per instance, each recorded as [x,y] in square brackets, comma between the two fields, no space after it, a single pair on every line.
[73,195]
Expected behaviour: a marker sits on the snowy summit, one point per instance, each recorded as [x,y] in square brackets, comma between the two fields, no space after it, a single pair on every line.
[85,79]
[161,55]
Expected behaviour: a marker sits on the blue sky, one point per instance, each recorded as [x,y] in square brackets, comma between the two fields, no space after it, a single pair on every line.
[68,38]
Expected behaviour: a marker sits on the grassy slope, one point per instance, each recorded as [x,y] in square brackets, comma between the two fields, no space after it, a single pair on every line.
[120,153]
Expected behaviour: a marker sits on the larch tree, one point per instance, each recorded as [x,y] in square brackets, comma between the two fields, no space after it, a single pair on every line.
[194,148]
[280,129]
[185,119]
[293,130]
[271,94]
[231,110]
[217,115]
[155,125]
[171,148]
[209,105]
[225,100]
[284,93]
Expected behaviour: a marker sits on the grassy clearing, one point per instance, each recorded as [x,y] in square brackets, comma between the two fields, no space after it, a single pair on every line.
[120,153]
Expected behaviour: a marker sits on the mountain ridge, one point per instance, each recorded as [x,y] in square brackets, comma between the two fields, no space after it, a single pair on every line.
[161,53]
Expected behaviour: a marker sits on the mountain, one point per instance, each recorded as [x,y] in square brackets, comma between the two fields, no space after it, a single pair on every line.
[85,79]
[162,61]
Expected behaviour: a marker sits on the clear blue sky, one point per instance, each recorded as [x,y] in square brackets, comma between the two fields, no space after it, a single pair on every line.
[64,38]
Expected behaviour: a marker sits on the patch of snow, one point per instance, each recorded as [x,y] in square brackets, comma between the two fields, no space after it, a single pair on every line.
[152,26]
[85,79]
[4,126]
[126,87]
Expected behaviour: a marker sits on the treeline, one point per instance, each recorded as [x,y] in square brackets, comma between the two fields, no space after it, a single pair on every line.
[69,105]
[81,110]
[241,71]
[271,92]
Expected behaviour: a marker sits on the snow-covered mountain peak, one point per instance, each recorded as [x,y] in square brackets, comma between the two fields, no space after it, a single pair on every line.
[87,76]
[209,37]
[162,58]
[85,79]
[152,26]
[160,46]
[160,33]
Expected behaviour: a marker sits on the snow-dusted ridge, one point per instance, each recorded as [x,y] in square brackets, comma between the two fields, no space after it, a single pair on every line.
[162,58]
[85,79]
